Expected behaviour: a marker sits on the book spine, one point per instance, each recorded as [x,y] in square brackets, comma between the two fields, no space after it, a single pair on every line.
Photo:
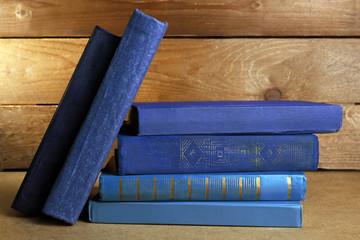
[202,187]
[246,213]
[66,122]
[213,153]
[236,120]
[127,69]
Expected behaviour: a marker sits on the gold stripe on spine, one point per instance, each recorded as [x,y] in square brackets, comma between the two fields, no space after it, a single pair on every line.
[224,188]
[258,188]
[289,188]
[172,188]
[207,188]
[155,193]
[189,188]
[121,189]
[240,189]
[138,189]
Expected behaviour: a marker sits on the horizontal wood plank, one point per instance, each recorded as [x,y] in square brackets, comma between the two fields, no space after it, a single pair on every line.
[21,131]
[22,128]
[36,71]
[341,150]
[35,18]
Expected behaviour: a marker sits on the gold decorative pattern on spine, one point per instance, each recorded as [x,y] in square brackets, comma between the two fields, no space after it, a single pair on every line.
[207,188]
[224,187]
[257,188]
[240,188]
[121,189]
[289,188]
[172,188]
[138,189]
[155,194]
[189,188]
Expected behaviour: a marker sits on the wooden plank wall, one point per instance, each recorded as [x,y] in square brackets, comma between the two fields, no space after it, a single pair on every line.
[213,50]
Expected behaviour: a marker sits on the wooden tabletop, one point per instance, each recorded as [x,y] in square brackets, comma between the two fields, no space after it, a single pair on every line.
[331,211]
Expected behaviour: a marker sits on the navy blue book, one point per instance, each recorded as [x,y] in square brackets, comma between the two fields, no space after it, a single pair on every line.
[97,134]
[239,186]
[227,213]
[242,117]
[216,153]
[66,122]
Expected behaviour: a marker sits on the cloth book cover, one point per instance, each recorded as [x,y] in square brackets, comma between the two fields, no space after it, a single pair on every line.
[204,187]
[216,153]
[111,104]
[241,117]
[228,213]
[66,122]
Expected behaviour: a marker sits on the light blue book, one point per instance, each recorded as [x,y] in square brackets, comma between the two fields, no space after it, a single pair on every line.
[241,186]
[234,213]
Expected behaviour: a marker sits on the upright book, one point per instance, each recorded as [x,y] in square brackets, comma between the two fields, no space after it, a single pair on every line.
[216,153]
[239,186]
[66,122]
[242,117]
[88,153]
[228,213]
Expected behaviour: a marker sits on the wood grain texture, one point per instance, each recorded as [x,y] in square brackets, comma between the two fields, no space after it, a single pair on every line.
[22,128]
[341,150]
[21,131]
[36,71]
[35,18]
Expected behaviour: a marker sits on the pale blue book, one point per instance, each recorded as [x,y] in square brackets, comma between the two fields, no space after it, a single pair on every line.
[241,186]
[234,213]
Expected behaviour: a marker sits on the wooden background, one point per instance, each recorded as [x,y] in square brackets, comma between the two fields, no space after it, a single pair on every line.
[214,50]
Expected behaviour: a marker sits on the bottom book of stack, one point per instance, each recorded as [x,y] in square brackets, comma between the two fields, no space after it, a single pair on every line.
[229,213]
[270,199]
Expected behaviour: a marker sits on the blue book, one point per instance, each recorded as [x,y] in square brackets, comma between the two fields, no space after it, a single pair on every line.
[228,213]
[204,187]
[98,132]
[66,122]
[242,117]
[215,153]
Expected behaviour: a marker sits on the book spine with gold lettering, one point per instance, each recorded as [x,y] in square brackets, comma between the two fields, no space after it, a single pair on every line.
[203,187]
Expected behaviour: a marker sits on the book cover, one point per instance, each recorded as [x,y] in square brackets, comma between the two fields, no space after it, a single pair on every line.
[216,153]
[235,117]
[97,134]
[227,213]
[66,122]
[204,187]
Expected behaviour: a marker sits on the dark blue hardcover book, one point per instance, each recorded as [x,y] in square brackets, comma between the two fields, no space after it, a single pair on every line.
[127,69]
[66,122]
[215,153]
[228,213]
[242,117]
[238,186]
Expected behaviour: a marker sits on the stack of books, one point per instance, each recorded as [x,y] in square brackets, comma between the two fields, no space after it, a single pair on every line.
[214,163]
[207,163]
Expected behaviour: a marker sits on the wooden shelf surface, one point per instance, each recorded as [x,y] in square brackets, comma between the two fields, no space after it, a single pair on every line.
[331,211]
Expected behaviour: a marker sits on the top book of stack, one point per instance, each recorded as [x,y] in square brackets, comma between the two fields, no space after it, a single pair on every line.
[235,117]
